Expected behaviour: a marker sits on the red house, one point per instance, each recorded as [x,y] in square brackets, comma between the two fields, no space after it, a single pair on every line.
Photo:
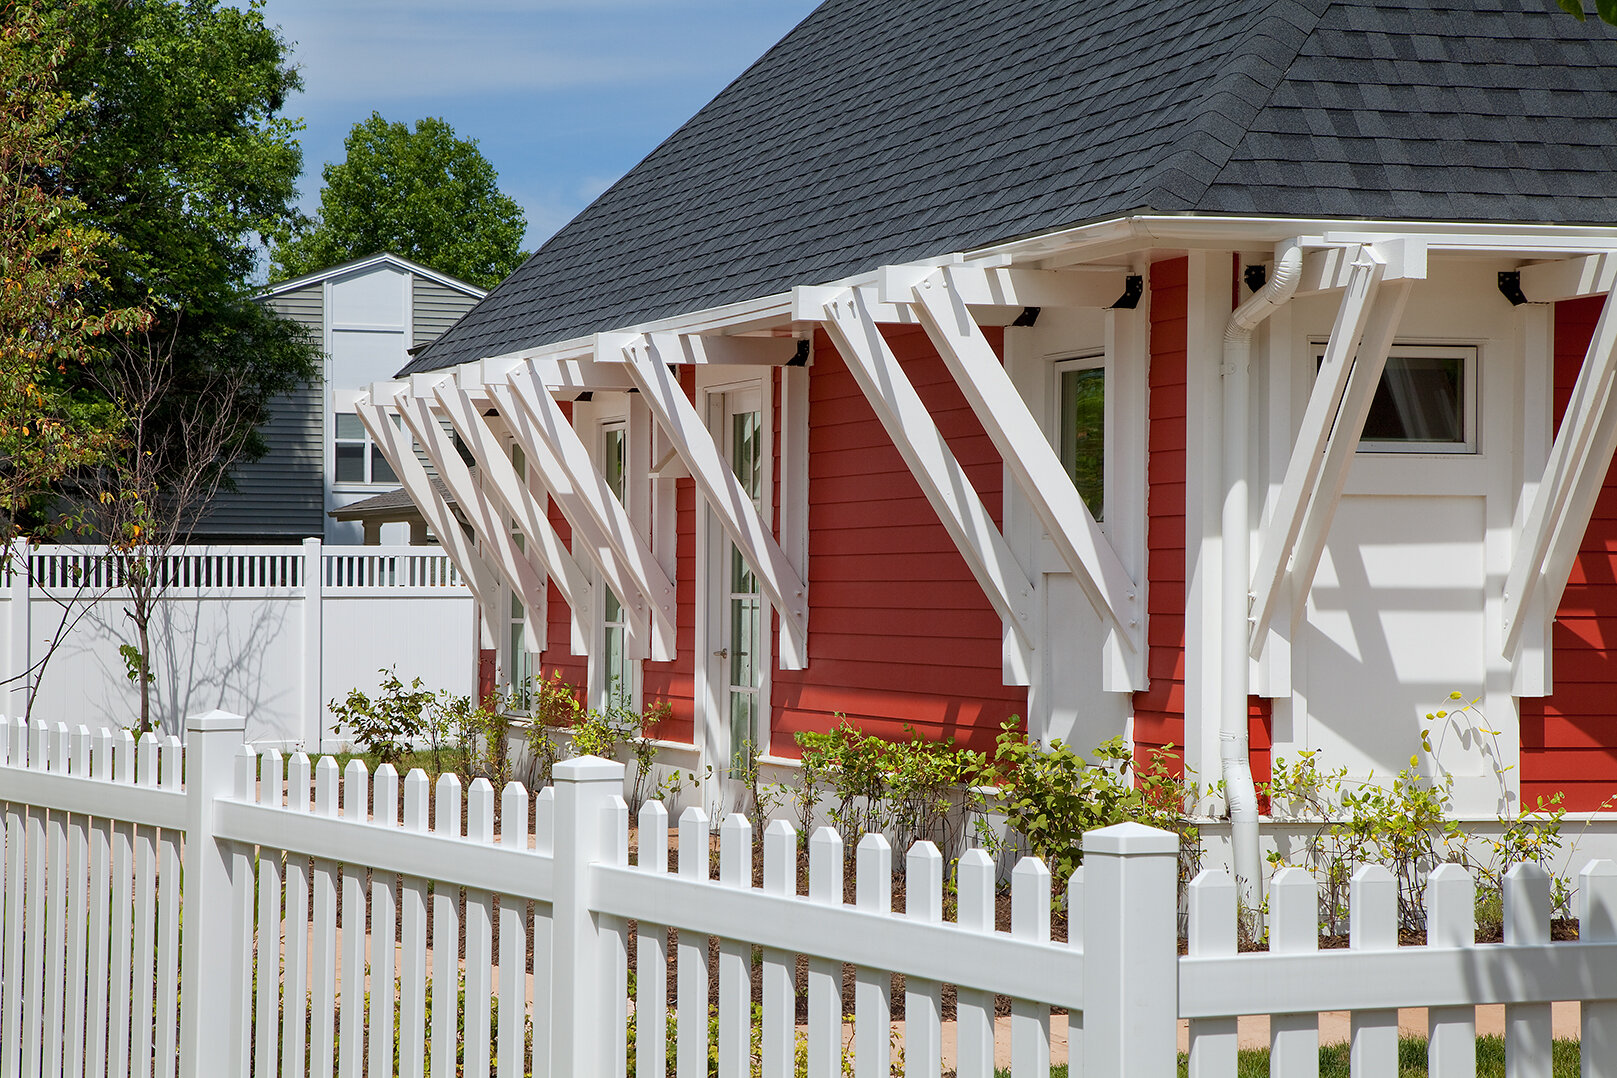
[1232,376]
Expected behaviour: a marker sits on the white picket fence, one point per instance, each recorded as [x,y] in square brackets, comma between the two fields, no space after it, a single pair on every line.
[99,975]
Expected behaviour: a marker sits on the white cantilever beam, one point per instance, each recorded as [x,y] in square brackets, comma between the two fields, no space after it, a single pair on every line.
[1313,444]
[476,571]
[846,316]
[1571,278]
[940,301]
[646,359]
[632,572]
[511,492]
[513,562]
[1379,333]
[1573,477]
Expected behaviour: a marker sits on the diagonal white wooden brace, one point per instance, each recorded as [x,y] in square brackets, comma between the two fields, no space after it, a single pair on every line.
[781,584]
[514,563]
[1571,278]
[1030,458]
[1573,476]
[1278,537]
[847,319]
[474,569]
[632,572]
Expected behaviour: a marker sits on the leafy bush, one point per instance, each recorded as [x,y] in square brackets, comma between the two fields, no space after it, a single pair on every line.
[387,726]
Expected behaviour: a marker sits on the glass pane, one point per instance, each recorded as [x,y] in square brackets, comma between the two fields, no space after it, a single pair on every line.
[744,624]
[381,470]
[1083,434]
[617,682]
[351,463]
[742,582]
[1419,400]
[744,745]
[614,609]
[349,428]
[612,466]
[746,432]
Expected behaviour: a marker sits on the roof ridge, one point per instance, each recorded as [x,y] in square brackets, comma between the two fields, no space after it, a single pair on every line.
[1275,33]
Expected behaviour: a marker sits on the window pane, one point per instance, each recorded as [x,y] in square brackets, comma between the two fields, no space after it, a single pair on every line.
[381,470]
[612,466]
[1419,400]
[1083,434]
[351,463]
[349,428]
[744,747]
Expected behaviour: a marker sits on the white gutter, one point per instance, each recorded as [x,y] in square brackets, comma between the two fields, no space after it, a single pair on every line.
[1233,748]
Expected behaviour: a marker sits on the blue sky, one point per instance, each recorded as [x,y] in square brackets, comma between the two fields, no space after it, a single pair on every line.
[563,96]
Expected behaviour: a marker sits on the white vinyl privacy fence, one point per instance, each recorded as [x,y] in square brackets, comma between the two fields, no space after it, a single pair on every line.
[269,632]
[259,958]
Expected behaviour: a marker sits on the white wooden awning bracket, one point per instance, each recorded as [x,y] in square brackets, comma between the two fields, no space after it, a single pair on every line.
[1573,476]
[1570,278]
[647,358]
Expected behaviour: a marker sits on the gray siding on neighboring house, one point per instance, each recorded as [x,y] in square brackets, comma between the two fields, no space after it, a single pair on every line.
[281,496]
[437,307]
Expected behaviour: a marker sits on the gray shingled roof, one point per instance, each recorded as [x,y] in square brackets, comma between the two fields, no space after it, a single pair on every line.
[880,131]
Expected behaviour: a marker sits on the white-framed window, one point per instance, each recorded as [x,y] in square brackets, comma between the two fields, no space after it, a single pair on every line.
[1426,401]
[620,675]
[519,665]
[356,459]
[1080,429]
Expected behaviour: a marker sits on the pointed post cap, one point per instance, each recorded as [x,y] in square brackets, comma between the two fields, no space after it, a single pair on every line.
[1130,838]
[587,769]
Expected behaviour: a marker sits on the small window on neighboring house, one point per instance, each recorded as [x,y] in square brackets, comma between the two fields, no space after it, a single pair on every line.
[1425,402]
[358,459]
[1082,430]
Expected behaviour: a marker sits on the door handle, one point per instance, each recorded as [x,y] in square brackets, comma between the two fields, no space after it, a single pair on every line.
[722,653]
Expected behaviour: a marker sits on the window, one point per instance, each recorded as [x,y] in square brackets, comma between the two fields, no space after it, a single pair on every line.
[617,668]
[358,459]
[519,660]
[1425,402]
[1082,429]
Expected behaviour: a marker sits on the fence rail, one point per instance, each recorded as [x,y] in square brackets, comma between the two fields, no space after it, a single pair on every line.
[296,880]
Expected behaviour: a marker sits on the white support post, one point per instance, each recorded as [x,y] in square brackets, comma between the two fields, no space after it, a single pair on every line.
[1565,499]
[214,1017]
[1319,428]
[939,303]
[1004,580]
[638,581]
[1130,933]
[782,585]
[580,988]
[311,665]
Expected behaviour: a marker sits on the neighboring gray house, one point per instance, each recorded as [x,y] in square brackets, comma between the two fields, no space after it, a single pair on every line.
[367,315]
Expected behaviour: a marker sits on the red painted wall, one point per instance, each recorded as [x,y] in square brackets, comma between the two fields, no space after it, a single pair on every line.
[899,631]
[1569,739]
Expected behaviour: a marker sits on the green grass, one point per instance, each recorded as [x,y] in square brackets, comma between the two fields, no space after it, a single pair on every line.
[1333,1060]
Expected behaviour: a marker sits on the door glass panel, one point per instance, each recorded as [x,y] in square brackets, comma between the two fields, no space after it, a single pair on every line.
[618,671]
[746,607]
[1083,434]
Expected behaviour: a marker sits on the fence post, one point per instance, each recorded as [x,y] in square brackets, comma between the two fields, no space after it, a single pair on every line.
[17,626]
[1130,945]
[580,971]
[314,720]
[212,1027]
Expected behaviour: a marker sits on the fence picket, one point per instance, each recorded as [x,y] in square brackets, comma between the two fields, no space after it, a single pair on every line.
[267,1007]
[1451,1044]
[167,1015]
[384,929]
[123,918]
[1527,912]
[779,1033]
[1075,941]
[872,1002]
[351,1044]
[445,935]
[923,999]
[824,975]
[146,897]
[1294,928]
[33,938]
[735,996]
[479,935]
[1030,920]
[1597,922]
[11,888]
[98,974]
[55,895]
[243,918]
[1373,926]
[413,967]
[295,970]
[974,1010]
[77,879]
[513,943]
[615,943]
[323,935]
[690,1052]
[1211,933]
[544,924]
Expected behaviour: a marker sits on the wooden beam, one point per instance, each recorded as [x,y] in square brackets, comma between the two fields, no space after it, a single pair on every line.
[645,588]
[732,506]
[396,449]
[1028,455]
[1569,278]
[722,351]
[1319,427]
[854,332]
[1579,459]
[976,286]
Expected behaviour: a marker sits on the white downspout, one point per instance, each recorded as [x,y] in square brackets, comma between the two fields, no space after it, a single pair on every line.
[1233,747]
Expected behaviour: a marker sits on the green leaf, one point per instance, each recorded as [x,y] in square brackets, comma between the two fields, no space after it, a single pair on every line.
[1606,8]
[1573,8]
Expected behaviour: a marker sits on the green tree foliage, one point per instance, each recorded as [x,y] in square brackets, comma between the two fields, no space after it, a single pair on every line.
[1606,9]
[423,194]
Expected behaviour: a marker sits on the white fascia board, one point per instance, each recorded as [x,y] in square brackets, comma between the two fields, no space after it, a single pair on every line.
[640,583]
[709,351]
[973,286]
[1570,278]
[1297,498]
[1029,456]
[1565,498]
[780,582]
[1005,582]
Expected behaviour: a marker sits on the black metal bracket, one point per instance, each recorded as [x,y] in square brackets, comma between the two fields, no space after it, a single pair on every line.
[1028,317]
[1510,286]
[802,357]
[1133,289]
[1256,276]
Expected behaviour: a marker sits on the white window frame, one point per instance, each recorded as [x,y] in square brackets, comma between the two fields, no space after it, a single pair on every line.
[1470,391]
[371,453]
[1087,360]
